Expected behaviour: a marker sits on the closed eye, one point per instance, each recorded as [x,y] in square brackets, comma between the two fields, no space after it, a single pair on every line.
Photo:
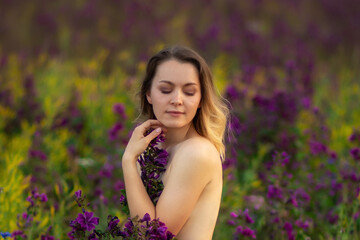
[169,91]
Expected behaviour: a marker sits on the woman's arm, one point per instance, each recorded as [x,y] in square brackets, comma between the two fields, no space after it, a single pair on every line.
[138,200]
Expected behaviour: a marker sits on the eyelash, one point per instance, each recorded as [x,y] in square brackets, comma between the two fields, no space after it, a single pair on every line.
[167,92]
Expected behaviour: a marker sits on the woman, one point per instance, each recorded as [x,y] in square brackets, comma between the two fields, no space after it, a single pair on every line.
[178,97]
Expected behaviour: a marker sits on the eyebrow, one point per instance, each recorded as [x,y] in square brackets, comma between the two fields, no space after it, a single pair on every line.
[168,82]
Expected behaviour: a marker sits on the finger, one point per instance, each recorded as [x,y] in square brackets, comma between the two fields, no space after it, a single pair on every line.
[151,123]
[153,134]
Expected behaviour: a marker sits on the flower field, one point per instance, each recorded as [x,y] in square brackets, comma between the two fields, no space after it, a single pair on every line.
[289,71]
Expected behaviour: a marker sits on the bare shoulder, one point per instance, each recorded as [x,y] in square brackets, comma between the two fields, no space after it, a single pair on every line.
[199,151]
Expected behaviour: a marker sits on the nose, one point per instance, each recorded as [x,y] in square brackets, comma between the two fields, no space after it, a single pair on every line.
[176,98]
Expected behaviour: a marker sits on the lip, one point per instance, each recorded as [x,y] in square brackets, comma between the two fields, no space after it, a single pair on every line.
[174,113]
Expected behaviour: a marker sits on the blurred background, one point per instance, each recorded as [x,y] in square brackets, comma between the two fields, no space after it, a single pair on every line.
[69,72]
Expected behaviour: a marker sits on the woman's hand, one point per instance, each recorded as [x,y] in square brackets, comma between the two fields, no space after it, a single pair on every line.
[139,142]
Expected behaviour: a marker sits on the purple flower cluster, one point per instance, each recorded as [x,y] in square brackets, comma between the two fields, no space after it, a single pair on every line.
[114,131]
[153,164]
[355,153]
[146,229]
[47,236]
[36,196]
[241,219]
[25,221]
[85,221]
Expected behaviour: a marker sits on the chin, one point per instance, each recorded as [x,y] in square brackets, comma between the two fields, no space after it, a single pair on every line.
[173,124]
[168,123]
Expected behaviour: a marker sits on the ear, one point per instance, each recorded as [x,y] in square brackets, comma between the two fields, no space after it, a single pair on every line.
[148,97]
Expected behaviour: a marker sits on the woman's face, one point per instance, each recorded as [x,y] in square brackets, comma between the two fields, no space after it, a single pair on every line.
[175,93]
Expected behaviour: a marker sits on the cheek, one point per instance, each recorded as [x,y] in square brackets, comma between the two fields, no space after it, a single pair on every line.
[194,104]
[158,102]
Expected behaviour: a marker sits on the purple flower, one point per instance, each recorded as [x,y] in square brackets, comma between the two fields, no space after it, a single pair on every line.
[248,232]
[119,184]
[232,93]
[335,187]
[289,230]
[43,197]
[47,237]
[233,215]
[229,162]
[236,127]
[285,106]
[71,235]
[122,199]
[146,218]
[161,160]
[231,222]
[113,132]
[25,215]
[302,196]
[107,171]
[92,237]
[274,192]
[87,221]
[119,108]
[317,147]
[302,224]
[355,153]
[276,220]
[29,199]
[293,201]
[355,136]
[239,229]
[288,227]
[18,233]
[162,230]
[78,194]
[306,102]
[283,158]
[247,216]
[113,223]
[38,154]
[129,225]
[333,155]
[332,217]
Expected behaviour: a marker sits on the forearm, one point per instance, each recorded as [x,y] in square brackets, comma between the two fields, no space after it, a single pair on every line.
[138,200]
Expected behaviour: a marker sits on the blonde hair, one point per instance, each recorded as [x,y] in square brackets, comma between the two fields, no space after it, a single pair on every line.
[211,118]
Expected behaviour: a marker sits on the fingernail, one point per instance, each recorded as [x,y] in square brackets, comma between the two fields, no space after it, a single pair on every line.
[158,130]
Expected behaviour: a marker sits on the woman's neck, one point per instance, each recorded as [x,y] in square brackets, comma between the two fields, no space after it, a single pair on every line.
[174,136]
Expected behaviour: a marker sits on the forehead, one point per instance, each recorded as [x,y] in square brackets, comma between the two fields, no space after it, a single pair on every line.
[173,71]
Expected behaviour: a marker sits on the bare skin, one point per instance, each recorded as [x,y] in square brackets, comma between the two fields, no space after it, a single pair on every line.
[201,221]
[190,201]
